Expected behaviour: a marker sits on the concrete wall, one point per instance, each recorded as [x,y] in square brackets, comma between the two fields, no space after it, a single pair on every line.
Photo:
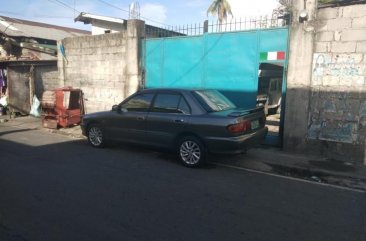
[299,77]
[46,78]
[106,67]
[337,118]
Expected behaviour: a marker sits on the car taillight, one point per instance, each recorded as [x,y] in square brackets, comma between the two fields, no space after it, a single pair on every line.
[239,127]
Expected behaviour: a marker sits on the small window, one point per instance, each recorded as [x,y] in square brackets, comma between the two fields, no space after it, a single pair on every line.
[170,103]
[139,103]
[183,107]
[107,31]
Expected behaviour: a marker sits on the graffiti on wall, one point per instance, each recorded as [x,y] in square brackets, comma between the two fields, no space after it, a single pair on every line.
[334,117]
[338,69]
[338,106]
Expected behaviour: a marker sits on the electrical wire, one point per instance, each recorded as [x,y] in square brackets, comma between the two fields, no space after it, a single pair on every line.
[113,6]
[47,16]
[64,5]
[8,12]
[35,16]
[124,10]
[110,5]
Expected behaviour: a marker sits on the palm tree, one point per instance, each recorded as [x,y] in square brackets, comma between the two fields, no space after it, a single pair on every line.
[221,8]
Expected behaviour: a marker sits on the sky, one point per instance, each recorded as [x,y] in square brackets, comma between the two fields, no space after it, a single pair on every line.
[154,12]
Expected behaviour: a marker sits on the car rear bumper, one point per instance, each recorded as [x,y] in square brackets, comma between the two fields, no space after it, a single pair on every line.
[235,145]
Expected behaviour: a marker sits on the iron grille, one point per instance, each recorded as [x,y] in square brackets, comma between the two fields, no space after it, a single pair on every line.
[231,25]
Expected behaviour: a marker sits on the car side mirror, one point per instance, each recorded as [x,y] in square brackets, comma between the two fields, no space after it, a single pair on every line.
[115,108]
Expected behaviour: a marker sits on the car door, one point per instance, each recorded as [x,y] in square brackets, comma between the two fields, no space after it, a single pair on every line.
[168,116]
[128,124]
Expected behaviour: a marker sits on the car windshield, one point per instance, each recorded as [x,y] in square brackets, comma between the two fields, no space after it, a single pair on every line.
[213,100]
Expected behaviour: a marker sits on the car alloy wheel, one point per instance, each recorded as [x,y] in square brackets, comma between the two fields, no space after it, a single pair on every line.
[95,136]
[191,152]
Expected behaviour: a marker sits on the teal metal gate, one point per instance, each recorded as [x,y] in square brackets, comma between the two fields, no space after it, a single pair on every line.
[227,61]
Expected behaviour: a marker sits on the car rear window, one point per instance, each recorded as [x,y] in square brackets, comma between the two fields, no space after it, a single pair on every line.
[213,100]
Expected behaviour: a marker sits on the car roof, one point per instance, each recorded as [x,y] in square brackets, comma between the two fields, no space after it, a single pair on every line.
[171,89]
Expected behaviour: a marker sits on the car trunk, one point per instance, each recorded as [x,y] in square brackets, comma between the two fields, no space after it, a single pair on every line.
[254,119]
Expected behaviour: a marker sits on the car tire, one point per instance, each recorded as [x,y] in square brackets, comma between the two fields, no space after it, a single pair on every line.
[96,136]
[191,152]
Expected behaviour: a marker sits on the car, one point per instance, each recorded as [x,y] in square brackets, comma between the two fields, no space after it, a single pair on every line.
[193,123]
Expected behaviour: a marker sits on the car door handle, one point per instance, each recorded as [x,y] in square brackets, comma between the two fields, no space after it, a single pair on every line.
[179,121]
[140,118]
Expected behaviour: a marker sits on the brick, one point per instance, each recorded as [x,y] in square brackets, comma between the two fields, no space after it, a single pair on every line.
[339,24]
[354,35]
[358,81]
[316,80]
[354,11]
[330,81]
[346,81]
[344,58]
[322,47]
[361,47]
[343,47]
[85,45]
[321,25]
[325,36]
[359,22]
[345,12]
[337,35]
[327,13]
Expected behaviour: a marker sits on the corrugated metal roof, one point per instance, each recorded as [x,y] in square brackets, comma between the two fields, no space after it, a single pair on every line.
[24,28]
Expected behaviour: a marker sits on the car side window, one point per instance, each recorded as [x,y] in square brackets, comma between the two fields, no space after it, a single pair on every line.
[139,103]
[170,103]
[183,107]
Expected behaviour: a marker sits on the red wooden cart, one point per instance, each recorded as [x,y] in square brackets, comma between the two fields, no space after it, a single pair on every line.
[62,107]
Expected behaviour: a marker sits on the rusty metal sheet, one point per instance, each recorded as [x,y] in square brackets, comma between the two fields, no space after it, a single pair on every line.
[19,88]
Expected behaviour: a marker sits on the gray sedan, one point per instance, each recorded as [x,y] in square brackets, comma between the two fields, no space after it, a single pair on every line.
[191,122]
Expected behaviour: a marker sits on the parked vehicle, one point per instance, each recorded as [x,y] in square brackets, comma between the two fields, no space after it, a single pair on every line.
[270,90]
[191,122]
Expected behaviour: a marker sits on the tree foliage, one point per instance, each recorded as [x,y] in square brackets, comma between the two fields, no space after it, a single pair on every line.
[221,8]
[284,8]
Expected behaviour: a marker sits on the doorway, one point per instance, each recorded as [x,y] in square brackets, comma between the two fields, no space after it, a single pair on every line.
[270,95]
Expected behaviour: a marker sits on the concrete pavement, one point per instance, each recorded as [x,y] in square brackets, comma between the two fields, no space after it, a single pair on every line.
[263,159]
[55,187]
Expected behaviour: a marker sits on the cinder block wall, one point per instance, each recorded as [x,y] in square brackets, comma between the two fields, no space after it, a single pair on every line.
[46,78]
[106,67]
[299,77]
[337,118]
